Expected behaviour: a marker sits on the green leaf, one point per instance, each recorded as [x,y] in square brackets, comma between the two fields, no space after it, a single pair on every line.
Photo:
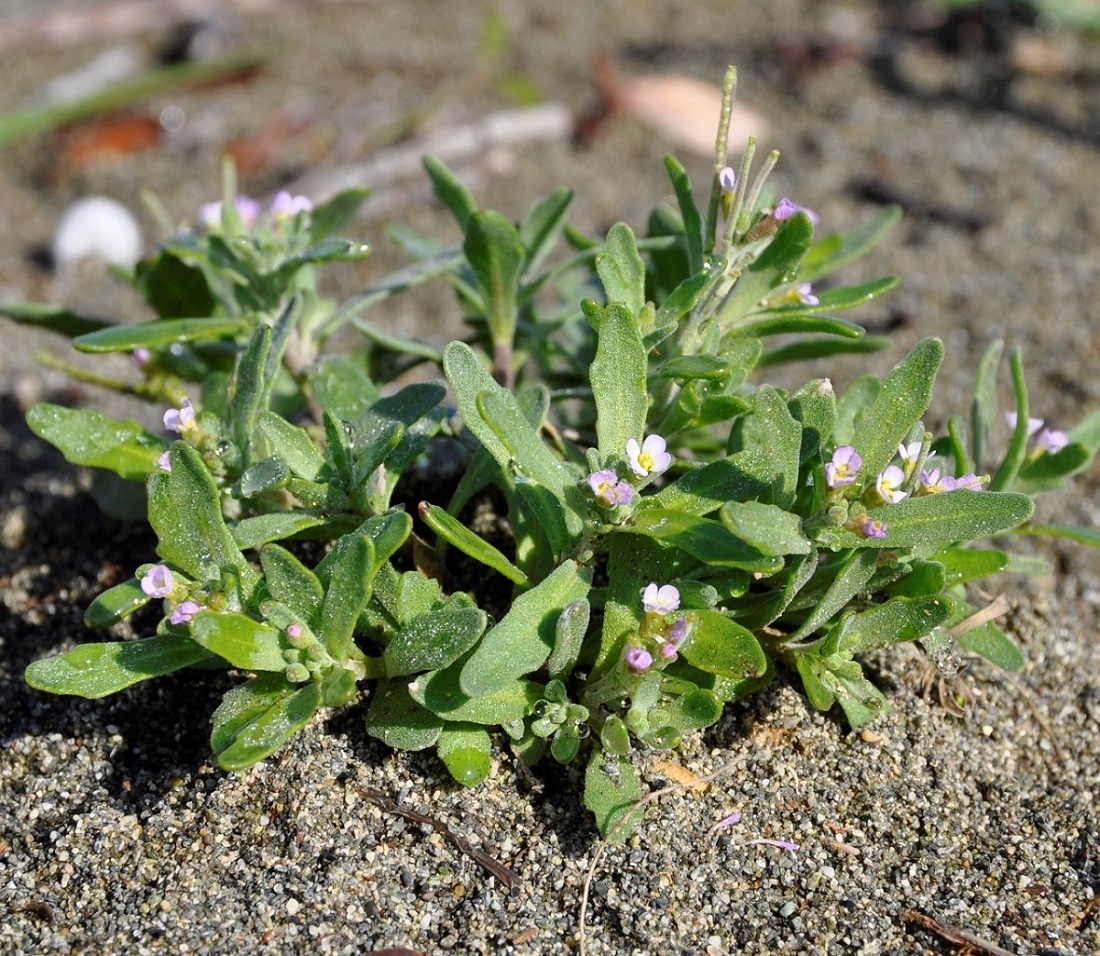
[720,646]
[126,338]
[798,323]
[377,432]
[850,581]
[116,603]
[618,375]
[970,564]
[291,582]
[903,399]
[807,349]
[857,399]
[174,287]
[983,410]
[1089,536]
[96,670]
[247,391]
[702,538]
[621,269]
[689,367]
[267,475]
[777,265]
[1047,471]
[837,249]
[351,569]
[696,709]
[989,641]
[851,296]
[449,190]
[54,318]
[239,639]
[522,641]
[340,386]
[769,443]
[433,640]
[1017,446]
[258,717]
[768,528]
[277,526]
[814,407]
[330,249]
[693,221]
[542,225]
[86,437]
[466,750]
[686,296]
[398,720]
[185,512]
[569,634]
[440,692]
[939,519]
[925,578]
[336,214]
[455,533]
[611,790]
[898,620]
[495,254]
[703,490]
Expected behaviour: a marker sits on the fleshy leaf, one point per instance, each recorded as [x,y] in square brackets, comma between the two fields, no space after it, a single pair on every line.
[86,437]
[768,528]
[258,717]
[720,646]
[433,640]
[96,670]
[112,605]
[398,720]
[897,620]
[621,269]
[466,750]
[707,540]
[618,375]
[147,335]
[611,789]
[239,639]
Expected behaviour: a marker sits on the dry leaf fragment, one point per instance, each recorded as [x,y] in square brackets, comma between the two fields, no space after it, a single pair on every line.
[680,774]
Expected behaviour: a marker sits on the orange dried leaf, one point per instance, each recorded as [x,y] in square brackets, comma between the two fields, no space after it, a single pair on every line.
[680,774]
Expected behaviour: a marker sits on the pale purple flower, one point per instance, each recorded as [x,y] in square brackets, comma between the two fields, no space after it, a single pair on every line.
[911,452]
[1051,440]
[158,582]
[870,527]
[668,651]
[842,469]
[934,482]
[210,214]
[185,611]
[889,483]
[971,482]
[663,599]
[678,633]
[785,209]
[164,462]
[638,659]
[609,490]
[648,458]
[140,356]
[180,419]
[727,179]
[1033,424]
[286,206]
[805,294]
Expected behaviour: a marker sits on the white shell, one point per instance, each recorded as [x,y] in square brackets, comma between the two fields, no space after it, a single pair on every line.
[97,226]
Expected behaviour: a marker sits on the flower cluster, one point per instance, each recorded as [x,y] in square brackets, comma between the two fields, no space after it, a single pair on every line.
[659,602]
[645,459]
[283,207]
[159,582]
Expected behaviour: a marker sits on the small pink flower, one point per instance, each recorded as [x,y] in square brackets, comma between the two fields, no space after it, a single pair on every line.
[784,209]
[638,659]
[1051,440]
[648,458]
[164,462]
[933,482]
[140,357]
[805,295]
[871,527]
[1033,424]
[889,483]
[180,419]
[158,582]
[668,651]
[286,206]
[608,490]
[971,482]
[294,631]
[663,599]
[843,468]
[679,631]
[185,611]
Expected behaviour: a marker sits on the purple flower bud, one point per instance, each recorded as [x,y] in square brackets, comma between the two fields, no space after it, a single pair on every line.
[660,600]
[805,295]
[668,651]
[164,462]
[785,209]
[869,527]
[971,482]
[638,659]
[727,179]
[678,633]
[294,631]
[185,611]
[140,357]
[158,582]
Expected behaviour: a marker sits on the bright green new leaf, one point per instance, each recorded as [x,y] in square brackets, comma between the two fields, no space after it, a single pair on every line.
[449,190]
[542,225]
[496,255]
[689,212]
[622,270]
[455,533]
[768,528]
[970,564]
[116,603]
[439,692]
[148,335]
[350,572]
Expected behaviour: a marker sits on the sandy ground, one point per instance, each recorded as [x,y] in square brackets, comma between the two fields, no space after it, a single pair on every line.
[118,834]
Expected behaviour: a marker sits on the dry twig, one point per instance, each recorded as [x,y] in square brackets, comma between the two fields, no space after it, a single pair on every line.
[953,934]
